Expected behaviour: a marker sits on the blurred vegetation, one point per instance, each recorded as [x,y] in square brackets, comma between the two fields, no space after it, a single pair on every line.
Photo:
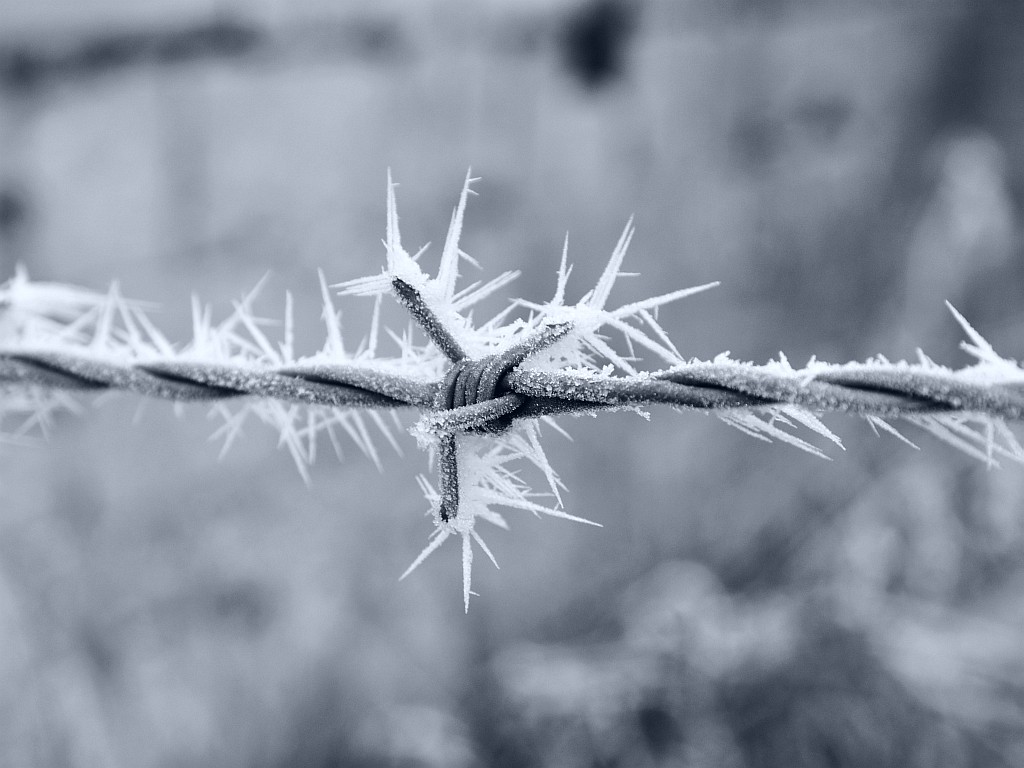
[842,167]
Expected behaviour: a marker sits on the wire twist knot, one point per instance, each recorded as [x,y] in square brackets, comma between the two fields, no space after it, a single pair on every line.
[475,397]
[477,391]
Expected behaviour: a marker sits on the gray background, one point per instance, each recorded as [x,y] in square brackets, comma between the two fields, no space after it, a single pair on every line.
[842,167]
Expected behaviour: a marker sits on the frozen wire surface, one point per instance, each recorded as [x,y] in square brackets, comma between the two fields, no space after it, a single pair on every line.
[555,360]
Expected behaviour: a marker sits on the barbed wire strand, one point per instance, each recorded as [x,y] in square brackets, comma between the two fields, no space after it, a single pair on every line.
[488,394]
[868,391]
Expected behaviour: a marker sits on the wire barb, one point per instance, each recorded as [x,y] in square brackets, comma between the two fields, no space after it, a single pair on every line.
[425,317]
[448,469]
[473,397]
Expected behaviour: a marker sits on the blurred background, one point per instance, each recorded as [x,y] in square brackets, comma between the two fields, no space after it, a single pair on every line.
[843,167]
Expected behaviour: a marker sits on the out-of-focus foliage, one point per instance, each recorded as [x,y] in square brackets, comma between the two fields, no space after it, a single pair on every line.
[842,168]
[698,676]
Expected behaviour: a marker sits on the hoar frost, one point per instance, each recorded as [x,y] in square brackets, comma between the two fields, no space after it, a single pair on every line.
[566,342]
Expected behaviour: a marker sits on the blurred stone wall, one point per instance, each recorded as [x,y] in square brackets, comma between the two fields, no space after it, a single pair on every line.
[841,167]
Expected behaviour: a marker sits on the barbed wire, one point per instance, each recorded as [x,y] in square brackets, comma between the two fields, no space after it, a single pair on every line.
[490,393]
[477,383]
[873,390]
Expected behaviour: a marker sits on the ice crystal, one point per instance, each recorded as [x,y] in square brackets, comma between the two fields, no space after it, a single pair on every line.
[486,479]
[46,316]
[40,316]
[240,339]
[585,353]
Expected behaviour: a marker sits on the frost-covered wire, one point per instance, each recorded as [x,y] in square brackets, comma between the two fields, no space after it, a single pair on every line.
[482,390]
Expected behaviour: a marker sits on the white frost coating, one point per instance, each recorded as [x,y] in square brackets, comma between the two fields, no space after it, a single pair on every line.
[485,479]
[438,293]
[50,317]
[982,436]
[585,348]
[241,340]
[991,367]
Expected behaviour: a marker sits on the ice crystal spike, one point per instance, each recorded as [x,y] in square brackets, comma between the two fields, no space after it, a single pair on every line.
[413,301]
[472,394]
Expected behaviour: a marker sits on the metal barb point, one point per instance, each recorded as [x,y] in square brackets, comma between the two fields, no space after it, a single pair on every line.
[412,300]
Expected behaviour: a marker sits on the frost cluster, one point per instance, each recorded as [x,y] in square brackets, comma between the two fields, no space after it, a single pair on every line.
[485,478]
[41,317]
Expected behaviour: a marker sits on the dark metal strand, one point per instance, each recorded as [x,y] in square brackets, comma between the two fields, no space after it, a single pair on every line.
[339,386]
[425,318]
[883,392]
[448,467]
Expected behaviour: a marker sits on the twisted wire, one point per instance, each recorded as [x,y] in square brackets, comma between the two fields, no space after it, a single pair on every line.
[473,392]
[488,394]
[868,391]
[171,379]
